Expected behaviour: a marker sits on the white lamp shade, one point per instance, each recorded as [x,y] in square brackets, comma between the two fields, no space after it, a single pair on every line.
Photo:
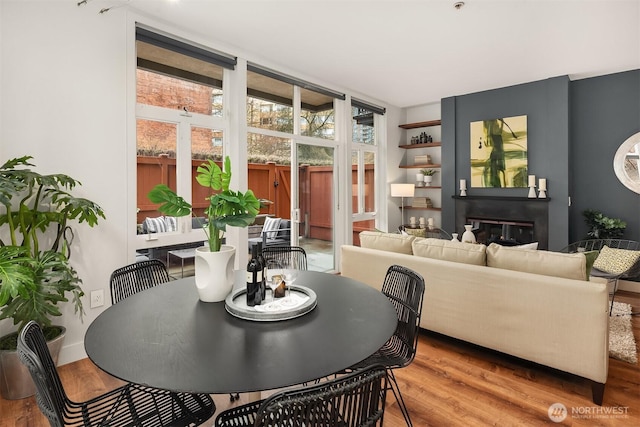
[402,190]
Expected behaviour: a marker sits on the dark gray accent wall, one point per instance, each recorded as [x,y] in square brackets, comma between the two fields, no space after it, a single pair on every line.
[546,105]
[605,111]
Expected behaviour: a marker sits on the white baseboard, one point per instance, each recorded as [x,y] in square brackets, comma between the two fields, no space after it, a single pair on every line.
[627,285]
[71,353]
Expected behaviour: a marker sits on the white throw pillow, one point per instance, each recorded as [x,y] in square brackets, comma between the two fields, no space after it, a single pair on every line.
[533,246]
[155,225]
[270,227]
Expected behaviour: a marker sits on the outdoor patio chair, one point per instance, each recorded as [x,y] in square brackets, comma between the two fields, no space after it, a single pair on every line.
[599,269]
[405,290]
[128,405]
[286,255]
[354,400]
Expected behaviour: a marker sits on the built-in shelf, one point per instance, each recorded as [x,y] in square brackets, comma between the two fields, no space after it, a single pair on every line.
[419,166]
[414,146]
[418,208]
[429,187]
[421,124]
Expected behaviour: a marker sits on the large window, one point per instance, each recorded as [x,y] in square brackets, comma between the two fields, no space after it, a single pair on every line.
[180,122]
[363,165]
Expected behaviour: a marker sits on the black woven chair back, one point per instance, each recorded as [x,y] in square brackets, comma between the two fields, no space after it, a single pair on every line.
[128,405]
[133,278]
[353,400]
[405,290]
[597,244]
[34,354]
[286,255]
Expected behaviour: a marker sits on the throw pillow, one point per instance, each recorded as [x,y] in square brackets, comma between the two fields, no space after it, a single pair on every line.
[418,232]
[615,261]
[171,223]
[532,246]
[591,258]
[386,242]
[155,225]
[270,227]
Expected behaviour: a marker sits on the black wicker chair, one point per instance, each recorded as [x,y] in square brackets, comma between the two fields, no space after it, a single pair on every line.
[136,277]
[129,405]
[405,290]
[597,245]
[286,255]
[353,400]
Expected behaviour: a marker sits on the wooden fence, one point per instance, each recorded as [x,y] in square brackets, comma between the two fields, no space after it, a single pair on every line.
[268,181]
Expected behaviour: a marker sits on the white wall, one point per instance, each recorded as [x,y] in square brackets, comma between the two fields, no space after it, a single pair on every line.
[64,100]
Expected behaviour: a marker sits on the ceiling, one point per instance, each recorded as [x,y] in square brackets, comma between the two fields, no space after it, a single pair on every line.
[413,52]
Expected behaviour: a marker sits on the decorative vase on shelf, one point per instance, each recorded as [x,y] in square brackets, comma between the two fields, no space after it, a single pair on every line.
[427,180]
[468,236]
[455,237]
[214,273]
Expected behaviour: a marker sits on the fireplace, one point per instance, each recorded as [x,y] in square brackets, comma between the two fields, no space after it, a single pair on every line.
[505,220]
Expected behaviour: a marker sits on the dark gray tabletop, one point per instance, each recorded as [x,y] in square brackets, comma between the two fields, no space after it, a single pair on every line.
[165,337]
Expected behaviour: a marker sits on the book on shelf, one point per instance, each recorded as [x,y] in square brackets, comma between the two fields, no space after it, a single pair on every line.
[422,202]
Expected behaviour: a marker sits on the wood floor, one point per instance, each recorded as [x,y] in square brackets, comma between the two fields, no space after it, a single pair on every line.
[450,383]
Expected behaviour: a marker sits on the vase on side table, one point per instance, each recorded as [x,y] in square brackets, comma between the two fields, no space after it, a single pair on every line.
[468,236]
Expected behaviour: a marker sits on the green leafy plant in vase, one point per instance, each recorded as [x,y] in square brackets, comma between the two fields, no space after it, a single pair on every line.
[428,175]
[226,208]
[35,246]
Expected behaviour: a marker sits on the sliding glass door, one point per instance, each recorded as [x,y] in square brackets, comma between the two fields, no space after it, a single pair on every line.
[314,204]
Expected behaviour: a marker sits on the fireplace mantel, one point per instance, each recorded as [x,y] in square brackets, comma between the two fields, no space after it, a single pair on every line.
[525,209]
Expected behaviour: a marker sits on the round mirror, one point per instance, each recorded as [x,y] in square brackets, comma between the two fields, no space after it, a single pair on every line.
[626,162]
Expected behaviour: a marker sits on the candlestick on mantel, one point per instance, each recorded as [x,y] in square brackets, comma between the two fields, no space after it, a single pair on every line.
[532,186]
[463,187]
[542,188]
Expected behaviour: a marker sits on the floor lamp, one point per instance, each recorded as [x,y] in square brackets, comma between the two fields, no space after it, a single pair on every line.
[402,190]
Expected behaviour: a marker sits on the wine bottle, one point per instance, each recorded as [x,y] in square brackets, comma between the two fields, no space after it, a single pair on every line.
[263,285]
[254,279]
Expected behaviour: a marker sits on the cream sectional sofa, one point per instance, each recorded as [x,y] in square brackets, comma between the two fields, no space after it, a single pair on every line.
[535,305]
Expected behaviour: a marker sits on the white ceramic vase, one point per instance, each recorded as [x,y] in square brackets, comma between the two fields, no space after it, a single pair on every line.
[468,235]
[214,273]
[427,180]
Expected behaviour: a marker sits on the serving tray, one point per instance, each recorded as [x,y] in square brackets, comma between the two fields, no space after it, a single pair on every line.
[236,305]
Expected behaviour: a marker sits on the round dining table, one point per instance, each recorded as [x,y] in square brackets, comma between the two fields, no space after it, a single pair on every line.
[165,337]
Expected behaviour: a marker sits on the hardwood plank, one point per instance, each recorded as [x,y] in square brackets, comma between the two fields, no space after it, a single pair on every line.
[450,383]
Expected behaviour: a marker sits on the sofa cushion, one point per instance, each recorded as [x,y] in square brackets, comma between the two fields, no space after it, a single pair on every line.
[615,261]
[386,242]
[570,266]
[446,250]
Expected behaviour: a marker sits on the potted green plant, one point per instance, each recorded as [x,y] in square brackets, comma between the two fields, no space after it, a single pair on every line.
[428,175]
[35,272]
[603,227]
[226,208]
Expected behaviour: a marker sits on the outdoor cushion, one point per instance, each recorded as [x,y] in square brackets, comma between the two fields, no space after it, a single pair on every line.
[270,227]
